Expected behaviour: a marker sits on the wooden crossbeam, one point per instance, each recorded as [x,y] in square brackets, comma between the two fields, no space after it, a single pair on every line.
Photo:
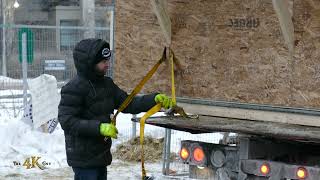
[253,115]
[207,124]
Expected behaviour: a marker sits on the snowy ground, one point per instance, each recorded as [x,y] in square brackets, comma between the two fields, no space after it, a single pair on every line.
[20,142]
[117,171]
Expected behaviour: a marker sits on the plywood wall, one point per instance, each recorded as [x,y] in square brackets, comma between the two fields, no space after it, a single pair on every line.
[230,50]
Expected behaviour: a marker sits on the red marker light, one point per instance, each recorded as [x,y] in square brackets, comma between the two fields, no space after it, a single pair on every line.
[302,173]
[198,154]
[184,153]
[264,169]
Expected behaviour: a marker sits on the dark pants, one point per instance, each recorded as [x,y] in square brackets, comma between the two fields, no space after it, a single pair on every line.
[90,173]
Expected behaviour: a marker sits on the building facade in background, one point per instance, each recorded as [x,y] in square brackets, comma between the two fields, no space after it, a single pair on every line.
[56,26]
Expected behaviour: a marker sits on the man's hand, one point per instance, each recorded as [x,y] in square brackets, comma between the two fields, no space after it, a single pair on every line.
[108,130]
[165,101]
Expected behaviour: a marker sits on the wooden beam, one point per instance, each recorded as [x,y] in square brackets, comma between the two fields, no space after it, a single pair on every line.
[253,115]
[282,8]
[159,8]
[207,124]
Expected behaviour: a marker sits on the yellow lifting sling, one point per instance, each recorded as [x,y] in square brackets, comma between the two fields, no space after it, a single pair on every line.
[155,108]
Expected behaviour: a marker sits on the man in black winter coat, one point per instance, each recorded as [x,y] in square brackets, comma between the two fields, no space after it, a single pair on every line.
[87,102]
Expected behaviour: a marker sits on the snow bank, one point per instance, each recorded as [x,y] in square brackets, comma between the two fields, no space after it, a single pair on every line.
[20,142]
[7,79]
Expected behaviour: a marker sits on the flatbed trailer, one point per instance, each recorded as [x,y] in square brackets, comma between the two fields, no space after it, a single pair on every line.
[279,147]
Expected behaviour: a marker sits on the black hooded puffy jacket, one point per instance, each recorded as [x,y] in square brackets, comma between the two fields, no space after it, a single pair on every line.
[87,101]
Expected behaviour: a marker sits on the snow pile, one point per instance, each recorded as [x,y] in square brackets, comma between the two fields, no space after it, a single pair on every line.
[20,142]
[4,79]
[10,83]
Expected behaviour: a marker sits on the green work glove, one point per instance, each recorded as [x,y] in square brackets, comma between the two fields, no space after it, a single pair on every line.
[108,130]
[165,101]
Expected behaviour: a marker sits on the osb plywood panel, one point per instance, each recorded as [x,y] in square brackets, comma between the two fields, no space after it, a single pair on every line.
[230,50]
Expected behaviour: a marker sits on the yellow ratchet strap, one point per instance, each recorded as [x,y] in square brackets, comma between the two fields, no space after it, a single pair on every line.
[173,91]
[152,111]
[137,89]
